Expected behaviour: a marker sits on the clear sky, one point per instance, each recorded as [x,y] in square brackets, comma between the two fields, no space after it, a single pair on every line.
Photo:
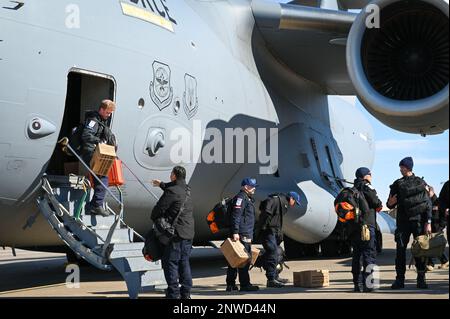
[431,154]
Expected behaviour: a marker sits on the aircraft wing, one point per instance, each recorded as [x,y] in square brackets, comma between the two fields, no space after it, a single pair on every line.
[311,41]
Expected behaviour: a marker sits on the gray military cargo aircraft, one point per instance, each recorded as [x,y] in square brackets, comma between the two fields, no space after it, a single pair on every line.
[211,65]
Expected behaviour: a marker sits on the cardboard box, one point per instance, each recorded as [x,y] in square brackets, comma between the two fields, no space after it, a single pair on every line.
[312,278]
[255,255]
[235,253]
[103,159]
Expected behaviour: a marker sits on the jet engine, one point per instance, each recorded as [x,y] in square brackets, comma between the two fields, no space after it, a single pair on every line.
[398,61]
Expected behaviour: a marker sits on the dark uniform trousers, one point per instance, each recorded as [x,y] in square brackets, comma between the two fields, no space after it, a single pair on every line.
[244,276]
[271,254]
[99,191]
[402,235]
[177,270]
[368,251]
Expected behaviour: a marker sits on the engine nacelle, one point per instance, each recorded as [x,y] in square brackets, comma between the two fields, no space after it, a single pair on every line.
[401,70]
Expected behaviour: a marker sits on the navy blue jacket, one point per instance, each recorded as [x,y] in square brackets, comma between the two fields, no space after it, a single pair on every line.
[242,215]
[95,130]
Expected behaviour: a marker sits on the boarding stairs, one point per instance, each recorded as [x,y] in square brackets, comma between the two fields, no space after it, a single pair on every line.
[107,243]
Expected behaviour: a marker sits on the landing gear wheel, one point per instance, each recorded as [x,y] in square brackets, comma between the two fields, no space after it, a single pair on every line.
[311,250]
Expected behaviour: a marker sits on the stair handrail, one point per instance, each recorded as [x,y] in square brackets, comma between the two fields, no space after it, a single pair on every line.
[65,143]
[49,190]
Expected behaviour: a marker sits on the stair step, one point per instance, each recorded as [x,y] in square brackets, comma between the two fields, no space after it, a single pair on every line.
[128,246]
[99,222]
[123,235]
[125,253]
[134,264]
[153,278]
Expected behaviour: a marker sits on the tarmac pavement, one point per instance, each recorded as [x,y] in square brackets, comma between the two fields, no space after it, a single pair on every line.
[42,275]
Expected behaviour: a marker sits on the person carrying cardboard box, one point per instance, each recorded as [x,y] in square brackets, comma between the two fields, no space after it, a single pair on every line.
[242,221]
[95,132]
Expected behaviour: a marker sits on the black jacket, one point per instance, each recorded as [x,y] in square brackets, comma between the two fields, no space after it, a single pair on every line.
[419,197]
[242,215]
[438,219]
[95,130]
[369,202]
[444,200]
[272,211]
[169,206]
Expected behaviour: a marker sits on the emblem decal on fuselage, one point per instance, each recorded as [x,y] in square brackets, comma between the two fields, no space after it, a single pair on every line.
[160,90]
[190,98]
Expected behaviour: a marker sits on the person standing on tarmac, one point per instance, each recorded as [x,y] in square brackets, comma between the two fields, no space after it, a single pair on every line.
[242,221]
[269,231]
[444,203]
[176,205]
[369,204]
[409,194]
[438,225]
[96,131]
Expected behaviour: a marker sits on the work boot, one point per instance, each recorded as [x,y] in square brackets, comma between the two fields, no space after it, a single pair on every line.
[274,284]
[421,282]
[99,211]
[398,284]
[231,288]
[444,266]
[249,288]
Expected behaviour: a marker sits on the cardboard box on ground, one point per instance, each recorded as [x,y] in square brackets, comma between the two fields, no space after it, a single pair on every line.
[312,278]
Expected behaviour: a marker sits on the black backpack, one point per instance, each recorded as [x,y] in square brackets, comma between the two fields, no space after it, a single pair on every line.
[281,262]
[220,216]
[346,205]
[413,196]
[153,249]
[75,140]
